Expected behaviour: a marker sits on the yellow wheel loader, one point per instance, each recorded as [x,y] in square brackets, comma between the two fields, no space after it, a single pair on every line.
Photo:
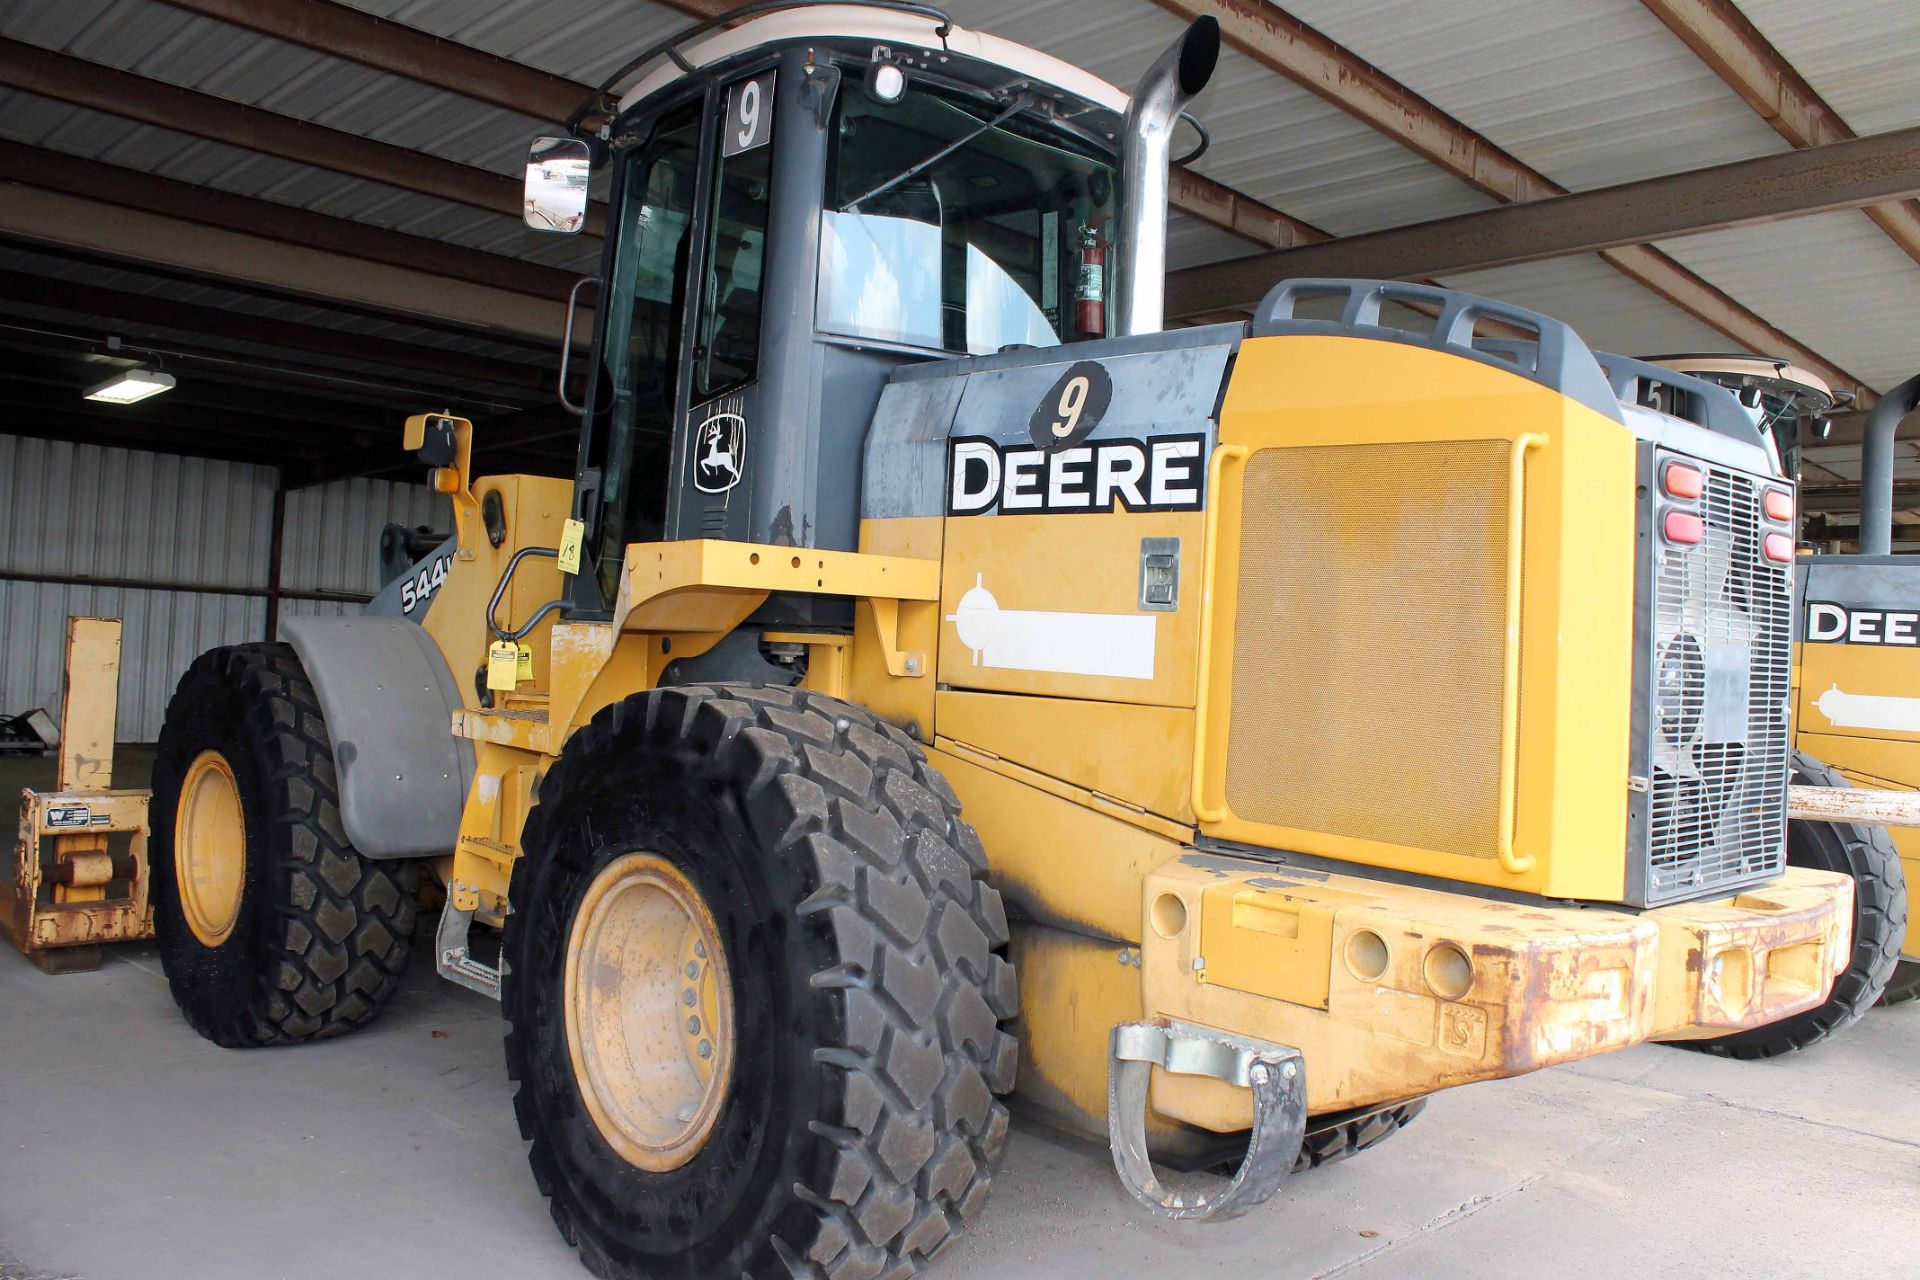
[1307,685]
[1856,695]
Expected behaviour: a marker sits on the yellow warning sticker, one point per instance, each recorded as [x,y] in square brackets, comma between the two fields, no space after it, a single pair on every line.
[503,665]
[523,666]
[570,535]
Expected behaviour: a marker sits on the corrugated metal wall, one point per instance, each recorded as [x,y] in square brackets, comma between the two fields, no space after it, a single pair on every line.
[82,511]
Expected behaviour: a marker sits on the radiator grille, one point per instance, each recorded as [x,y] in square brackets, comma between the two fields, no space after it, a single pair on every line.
[1368,642]
[1720,678]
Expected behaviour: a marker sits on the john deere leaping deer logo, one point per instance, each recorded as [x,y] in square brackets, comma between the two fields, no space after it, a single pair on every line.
[719,453]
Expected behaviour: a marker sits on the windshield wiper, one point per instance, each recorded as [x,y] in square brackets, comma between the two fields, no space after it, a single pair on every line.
[1019,102]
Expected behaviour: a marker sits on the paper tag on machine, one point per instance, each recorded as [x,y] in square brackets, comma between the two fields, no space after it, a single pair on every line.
[503,665]
[571,534]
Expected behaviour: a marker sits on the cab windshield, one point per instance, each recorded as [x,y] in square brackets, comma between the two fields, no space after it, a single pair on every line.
[1001,242]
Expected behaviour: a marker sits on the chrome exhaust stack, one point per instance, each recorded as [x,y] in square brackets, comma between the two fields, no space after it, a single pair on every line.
[1145,163]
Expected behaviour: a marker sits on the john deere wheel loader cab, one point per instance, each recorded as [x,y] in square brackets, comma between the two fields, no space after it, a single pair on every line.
[1857,669]
[1298,680]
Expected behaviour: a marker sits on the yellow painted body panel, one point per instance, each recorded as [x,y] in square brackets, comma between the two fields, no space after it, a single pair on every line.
[535,507]
[1139,755]
[1885,758]
[1078,987]
[1086,564]
[1575,608]
[1057,859]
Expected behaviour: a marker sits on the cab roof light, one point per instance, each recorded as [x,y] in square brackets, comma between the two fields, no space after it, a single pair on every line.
[1778,548]
[1683,527]
[1778,505]
[1683,481]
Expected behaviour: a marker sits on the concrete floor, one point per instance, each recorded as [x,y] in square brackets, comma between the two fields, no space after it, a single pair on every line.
[131,1148]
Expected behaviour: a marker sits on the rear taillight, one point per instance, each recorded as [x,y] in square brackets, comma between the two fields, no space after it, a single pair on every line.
[1683,481]
[1683,527]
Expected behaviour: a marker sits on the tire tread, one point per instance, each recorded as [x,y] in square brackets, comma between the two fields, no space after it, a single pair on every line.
[920,967]
[343,922]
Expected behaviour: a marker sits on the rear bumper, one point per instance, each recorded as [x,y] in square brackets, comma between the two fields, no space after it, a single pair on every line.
[1391,991]
[1754,958]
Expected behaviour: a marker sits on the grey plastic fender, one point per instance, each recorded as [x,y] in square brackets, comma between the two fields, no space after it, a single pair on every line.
[389,698]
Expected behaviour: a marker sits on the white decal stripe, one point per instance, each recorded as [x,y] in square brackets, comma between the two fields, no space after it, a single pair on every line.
[1075,644]
[1869,711]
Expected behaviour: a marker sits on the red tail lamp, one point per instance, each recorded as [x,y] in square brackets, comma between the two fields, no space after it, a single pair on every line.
[1683,481]
[1683,527]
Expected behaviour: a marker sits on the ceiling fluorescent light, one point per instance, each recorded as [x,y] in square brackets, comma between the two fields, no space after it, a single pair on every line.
[131,385]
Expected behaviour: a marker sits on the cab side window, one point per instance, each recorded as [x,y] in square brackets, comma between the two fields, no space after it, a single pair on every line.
[643,339]
[728,344]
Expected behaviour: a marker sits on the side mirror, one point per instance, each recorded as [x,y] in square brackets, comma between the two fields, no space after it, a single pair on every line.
[434,437]
[556,194]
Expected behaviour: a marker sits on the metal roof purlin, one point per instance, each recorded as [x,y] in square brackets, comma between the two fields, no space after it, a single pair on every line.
[399,50]
[1302,54]
[1728,42]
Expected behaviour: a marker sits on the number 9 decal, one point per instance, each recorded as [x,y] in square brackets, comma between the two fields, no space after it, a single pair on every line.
[1072,406]
[1073,398]
[749,113]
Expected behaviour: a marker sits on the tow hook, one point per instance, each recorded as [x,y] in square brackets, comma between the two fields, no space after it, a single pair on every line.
[1277,1075]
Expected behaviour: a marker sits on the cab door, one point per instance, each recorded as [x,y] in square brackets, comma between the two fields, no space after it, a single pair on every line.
[664,452]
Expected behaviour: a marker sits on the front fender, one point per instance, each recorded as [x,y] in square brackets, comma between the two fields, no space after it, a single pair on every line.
[388,697]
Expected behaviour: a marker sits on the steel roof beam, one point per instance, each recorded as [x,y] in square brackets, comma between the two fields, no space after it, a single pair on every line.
[302,435]
[69,377]
[216,254]
[152,311]
[98,180]
[350,33]
[1843,175]
[32,69]
[1727,41]
[344,32]
[224,367]
[1284,44]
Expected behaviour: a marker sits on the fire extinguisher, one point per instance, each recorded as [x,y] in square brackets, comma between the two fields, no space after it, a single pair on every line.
[1090,294]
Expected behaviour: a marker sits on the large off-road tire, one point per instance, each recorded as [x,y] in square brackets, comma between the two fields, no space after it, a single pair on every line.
[862,999]
[272,929]
[1879,923]
[1331,1139]
[1904,985]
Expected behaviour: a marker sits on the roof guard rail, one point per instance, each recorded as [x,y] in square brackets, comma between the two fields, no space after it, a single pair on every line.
[1556,358]
[1698,401]
[602,102]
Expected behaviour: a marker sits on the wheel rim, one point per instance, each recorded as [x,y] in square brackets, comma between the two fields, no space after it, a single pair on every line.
[210,848]
[649,1011]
